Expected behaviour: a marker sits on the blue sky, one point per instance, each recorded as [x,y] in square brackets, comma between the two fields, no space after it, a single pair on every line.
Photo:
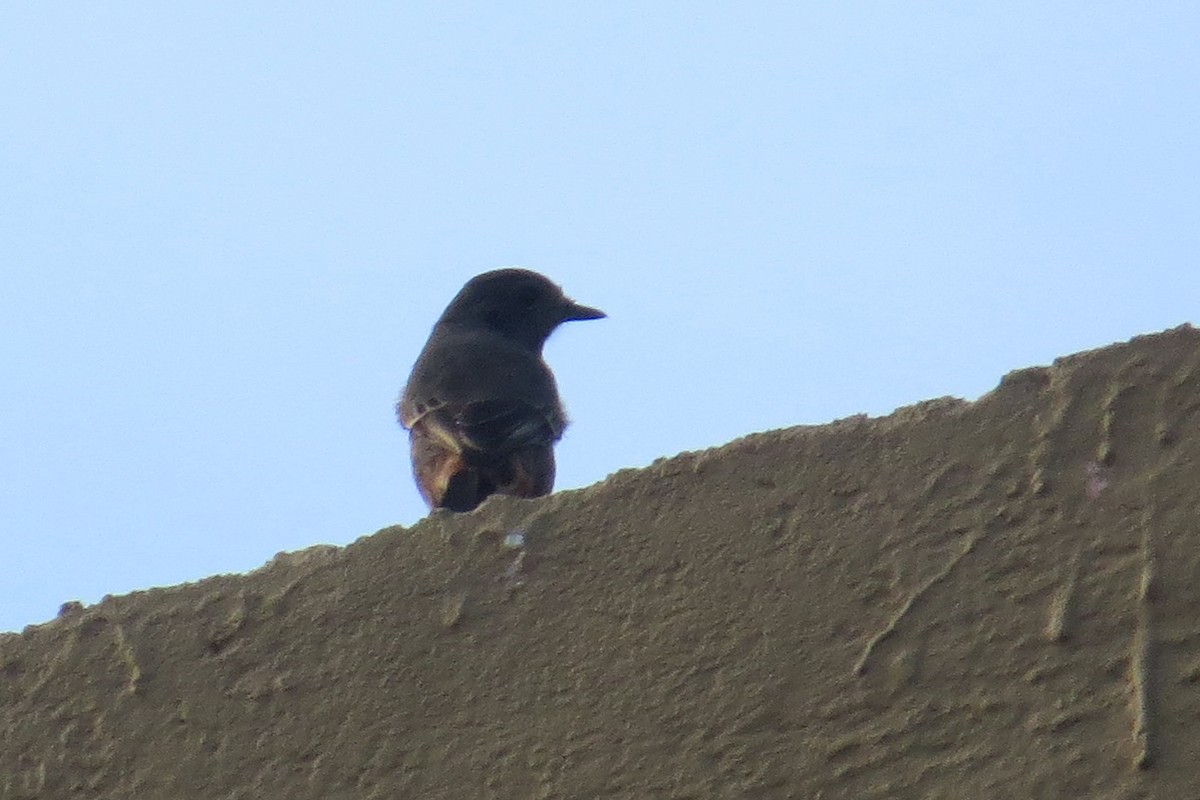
[227,230]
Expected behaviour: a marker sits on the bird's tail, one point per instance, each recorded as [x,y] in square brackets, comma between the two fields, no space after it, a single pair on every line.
[463,492]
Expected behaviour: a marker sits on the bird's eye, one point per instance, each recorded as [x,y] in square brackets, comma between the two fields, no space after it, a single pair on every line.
[528,297]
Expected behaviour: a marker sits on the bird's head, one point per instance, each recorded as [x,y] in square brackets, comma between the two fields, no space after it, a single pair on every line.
[516,303]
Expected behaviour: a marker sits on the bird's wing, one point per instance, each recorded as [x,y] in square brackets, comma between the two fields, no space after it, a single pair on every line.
[500,426]
[461,454]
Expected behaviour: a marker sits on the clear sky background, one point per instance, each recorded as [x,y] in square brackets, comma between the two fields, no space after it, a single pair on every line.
[227,228]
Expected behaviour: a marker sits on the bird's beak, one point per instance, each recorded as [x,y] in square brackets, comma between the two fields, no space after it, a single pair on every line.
[574,311]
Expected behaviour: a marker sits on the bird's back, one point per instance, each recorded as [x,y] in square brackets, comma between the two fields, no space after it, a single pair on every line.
[483,415]
[459,367]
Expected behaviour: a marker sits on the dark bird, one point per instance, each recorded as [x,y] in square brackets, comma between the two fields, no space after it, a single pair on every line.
[481,406]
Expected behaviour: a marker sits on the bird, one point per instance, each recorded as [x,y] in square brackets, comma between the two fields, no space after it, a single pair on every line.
[481,405]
